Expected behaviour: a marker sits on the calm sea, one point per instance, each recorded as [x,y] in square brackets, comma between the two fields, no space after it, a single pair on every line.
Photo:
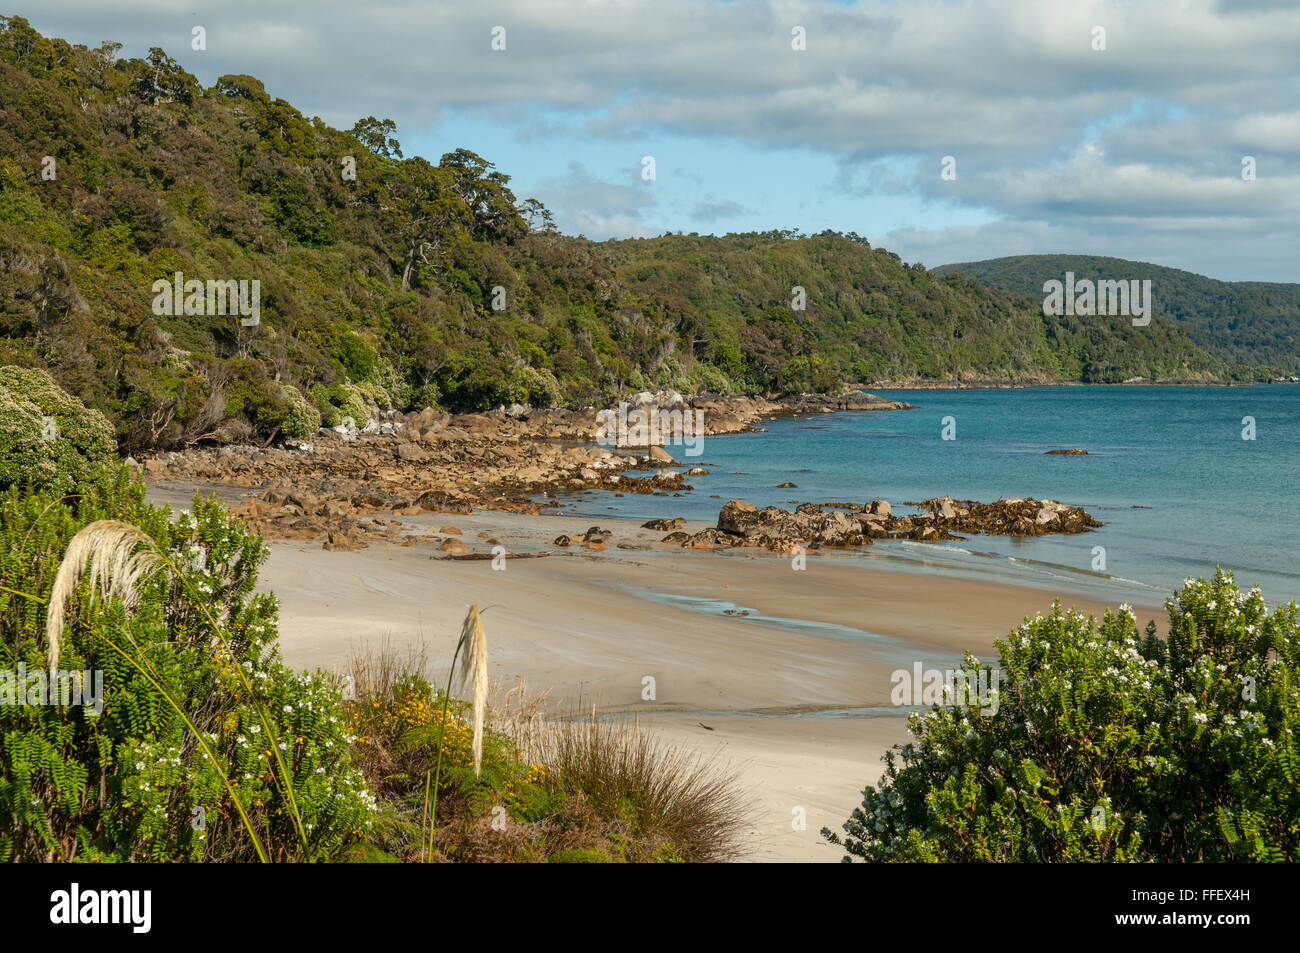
[1168,472]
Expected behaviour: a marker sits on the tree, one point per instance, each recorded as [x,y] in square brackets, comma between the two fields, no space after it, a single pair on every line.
[484,191]
[379,136]
[160,79]
[426,214]
[537,215]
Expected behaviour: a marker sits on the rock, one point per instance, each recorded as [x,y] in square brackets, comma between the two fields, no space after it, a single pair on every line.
[454,546]
[660,454]
[561,540]
[595,545]
[1073,451]
[880,507]
[697,471]
[787,486]
[736,516]
[411,453]
[943,506]
[451,530]
[677,537]
[664,524]
[838,529]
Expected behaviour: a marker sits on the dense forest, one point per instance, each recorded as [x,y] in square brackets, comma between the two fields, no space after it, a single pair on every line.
[390,281]
[1249,325]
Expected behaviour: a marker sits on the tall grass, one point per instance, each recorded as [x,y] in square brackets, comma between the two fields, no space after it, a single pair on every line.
[668,792]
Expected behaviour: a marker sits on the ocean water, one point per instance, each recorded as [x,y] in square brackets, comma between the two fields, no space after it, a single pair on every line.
[1168,472]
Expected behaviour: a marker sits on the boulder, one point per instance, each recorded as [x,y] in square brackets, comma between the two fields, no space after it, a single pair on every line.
[454,546]
[736,516]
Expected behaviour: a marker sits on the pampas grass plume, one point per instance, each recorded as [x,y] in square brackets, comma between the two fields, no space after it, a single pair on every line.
[116,570]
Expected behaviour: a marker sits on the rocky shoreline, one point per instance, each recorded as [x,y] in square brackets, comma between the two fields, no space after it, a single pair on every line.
[813,525]
[347,487]
[1020,383]
[431,461]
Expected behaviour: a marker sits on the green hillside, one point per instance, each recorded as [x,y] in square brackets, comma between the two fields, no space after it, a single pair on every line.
[414,284]
[1243,323]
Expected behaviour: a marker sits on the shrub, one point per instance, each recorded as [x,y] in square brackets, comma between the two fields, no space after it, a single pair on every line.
[303,419]
[339,401]
[48,438]
[539,386]
[134,782]
[427,396]
[1109,746]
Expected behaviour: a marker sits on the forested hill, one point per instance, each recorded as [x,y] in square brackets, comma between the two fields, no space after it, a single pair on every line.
[1244,323]
[388,280]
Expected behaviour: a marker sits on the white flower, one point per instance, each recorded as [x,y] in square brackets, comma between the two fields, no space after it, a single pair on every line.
[1200,718]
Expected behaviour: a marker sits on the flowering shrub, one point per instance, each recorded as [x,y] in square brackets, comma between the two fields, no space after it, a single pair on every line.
[1109,745]
[48,438]
[302,419]
[133,783]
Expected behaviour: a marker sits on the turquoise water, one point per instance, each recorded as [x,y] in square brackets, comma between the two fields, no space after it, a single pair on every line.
[1168,473]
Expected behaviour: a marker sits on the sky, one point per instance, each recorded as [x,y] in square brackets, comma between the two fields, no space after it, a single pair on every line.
[943,130]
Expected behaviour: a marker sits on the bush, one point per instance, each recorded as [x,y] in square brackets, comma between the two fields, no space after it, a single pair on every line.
[1109,746]
[303,419]
[48,438]
[427,396]
[133,783]
[340,401]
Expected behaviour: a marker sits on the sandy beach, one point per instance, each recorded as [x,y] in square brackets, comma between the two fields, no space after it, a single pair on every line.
[795,695]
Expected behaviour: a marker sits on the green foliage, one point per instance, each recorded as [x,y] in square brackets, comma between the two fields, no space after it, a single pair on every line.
[303,419]
[339,402]
[1249,325]
[127,785]
[385,279]
[48,439]
[1109,745]
[580,855]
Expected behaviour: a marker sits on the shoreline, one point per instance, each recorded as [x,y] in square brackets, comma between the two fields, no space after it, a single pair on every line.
[924,384]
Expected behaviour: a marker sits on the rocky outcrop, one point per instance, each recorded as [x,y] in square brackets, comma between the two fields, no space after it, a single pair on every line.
[1009,517]
[811,525]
